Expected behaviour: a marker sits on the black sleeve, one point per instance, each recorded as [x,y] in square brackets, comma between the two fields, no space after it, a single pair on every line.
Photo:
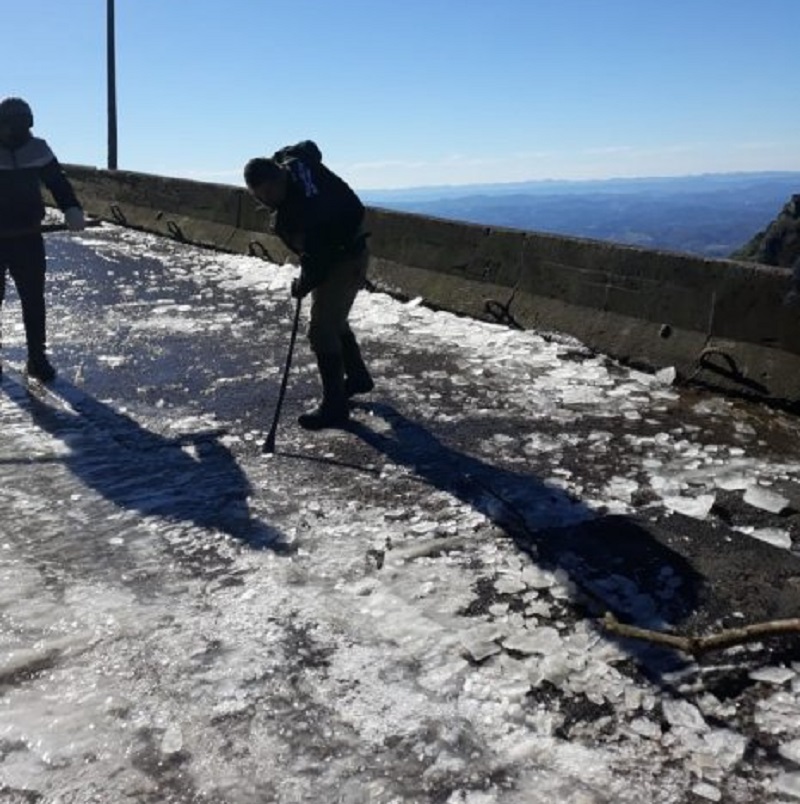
[54,178]
[313,270]
[327,213]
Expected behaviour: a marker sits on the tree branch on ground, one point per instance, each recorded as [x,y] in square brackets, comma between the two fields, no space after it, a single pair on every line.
[698,645]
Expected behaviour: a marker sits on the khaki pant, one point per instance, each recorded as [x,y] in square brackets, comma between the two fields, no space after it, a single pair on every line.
[332,301]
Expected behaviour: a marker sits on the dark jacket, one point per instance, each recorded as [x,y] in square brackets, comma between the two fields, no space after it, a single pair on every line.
[321,217]
[22,172]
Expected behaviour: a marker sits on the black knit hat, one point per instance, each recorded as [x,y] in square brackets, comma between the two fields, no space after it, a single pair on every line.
[16,110]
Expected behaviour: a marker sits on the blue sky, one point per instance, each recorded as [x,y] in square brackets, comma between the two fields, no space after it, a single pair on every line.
[402,93]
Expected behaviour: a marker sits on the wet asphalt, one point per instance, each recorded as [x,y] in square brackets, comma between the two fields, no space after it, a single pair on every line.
[140,471]
[97,309]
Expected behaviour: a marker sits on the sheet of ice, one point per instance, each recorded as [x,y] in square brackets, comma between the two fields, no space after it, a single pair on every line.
[791,750]
[777,537]
[697,507]
[766,499]
[773,675]
[251,676]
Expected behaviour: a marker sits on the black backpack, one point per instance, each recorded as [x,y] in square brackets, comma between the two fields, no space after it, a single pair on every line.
[306,150]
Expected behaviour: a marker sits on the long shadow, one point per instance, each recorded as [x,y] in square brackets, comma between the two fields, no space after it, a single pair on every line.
[620,563]
[192,479]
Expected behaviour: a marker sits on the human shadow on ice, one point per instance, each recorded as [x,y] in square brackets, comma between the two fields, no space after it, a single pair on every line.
[614,558]
[192,479]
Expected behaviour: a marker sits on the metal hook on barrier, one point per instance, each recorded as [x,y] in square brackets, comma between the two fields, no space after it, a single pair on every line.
[730,370]
[117,214]
[175,231]
[257,249]
[501,313]
[703,361]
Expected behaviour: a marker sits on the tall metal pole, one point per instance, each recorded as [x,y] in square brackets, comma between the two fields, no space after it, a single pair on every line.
[112,87]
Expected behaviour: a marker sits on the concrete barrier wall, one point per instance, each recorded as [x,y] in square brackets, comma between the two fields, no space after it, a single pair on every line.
[719,322]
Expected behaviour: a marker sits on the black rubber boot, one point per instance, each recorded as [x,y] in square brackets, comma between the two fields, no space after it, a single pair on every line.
[34,318]
[357,377]
[333,412]
[40,368]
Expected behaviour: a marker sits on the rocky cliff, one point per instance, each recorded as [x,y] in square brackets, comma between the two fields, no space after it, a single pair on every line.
[779,243]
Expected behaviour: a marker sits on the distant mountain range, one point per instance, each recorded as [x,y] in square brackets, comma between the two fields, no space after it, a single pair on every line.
[712,215]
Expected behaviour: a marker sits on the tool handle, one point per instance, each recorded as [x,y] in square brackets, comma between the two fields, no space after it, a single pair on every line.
[269,444]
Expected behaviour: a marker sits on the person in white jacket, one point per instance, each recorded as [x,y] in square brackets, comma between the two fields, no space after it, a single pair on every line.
[26,162]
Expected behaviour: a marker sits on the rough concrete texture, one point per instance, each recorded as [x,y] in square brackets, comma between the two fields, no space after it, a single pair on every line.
[719,322]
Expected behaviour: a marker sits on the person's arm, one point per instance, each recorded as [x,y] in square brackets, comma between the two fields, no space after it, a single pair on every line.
[332,215]
[54,178]
[313,270]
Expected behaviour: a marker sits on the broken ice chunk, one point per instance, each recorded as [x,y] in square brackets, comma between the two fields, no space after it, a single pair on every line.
[733,481]
[683,713]
[537,578]
[707,791]
[774,536]
[543,641]
[479,649]
[788,784]
[172,741]
[579,396]
[509,586]
[695,507]
[767,500]
[555,668]
[667,375]
[622,488]
[645,728]
[773,675]
[791,751]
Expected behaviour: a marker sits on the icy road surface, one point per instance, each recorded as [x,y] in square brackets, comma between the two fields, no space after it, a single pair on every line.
[404,612]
